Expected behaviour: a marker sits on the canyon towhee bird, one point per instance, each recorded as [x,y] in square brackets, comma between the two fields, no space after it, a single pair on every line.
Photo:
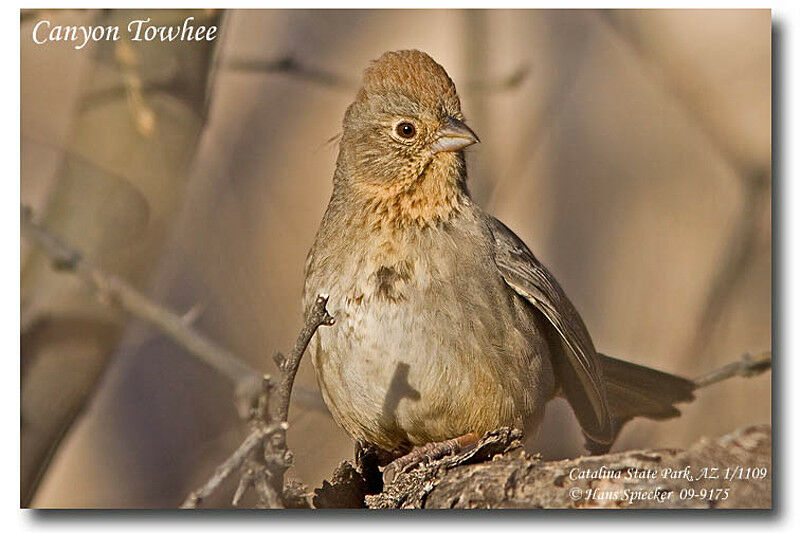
[446,325]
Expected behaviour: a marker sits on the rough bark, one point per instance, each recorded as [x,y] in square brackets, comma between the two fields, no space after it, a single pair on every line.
[498,474]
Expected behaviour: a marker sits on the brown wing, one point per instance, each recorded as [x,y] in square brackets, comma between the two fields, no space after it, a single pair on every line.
[577,364]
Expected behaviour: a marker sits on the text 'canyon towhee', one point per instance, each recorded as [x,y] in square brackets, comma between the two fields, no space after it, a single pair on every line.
[446,324]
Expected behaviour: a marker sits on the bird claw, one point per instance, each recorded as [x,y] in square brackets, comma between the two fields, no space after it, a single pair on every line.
[427,453]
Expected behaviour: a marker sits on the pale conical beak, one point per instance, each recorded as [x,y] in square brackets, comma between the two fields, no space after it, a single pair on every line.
[453,136]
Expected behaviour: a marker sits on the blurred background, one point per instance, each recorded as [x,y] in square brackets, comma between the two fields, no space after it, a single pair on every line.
[631,150]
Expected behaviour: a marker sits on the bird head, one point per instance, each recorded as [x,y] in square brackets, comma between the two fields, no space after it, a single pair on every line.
[405,125]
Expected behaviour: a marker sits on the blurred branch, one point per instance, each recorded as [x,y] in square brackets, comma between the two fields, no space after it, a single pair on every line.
[542,123]
[505,83]
[264,452]
[755,179]
[112,290]
[739,252]
[655,68]
[291,66]
[95,207]
[746,367]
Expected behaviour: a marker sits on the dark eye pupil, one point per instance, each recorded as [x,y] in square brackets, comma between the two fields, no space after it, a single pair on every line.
[406,130]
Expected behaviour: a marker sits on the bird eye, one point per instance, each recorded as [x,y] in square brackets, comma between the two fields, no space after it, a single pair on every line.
[406,130]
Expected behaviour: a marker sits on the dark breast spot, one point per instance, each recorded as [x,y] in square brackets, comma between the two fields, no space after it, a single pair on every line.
[390,279]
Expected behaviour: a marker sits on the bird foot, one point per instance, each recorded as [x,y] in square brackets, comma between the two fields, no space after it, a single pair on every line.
[428,452]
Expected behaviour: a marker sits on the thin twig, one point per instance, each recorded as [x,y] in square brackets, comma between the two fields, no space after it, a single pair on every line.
[265,454]
[316,317]
[229,465]
[244,483]
[271,468]
[746,367]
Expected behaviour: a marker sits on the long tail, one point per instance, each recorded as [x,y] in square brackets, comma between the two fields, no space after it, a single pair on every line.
[633,390]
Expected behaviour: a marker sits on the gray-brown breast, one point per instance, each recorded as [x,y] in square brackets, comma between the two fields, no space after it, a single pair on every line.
[437,315]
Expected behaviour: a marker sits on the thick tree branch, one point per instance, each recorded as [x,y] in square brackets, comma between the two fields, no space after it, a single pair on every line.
[733,472]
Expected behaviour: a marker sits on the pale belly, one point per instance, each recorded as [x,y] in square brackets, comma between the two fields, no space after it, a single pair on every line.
[399,374]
